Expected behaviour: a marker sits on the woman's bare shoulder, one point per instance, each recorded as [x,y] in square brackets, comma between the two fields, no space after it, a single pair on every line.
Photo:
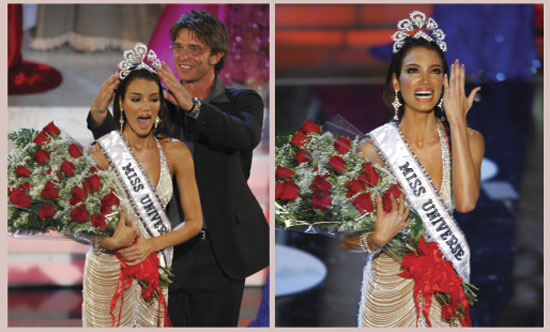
[177,153]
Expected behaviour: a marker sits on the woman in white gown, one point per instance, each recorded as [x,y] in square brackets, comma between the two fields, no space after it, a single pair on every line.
[426,146]
[155,159]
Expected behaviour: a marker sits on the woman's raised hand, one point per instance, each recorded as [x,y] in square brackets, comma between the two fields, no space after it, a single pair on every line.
[176,93]
[455,102]
[387,225]
[104,97]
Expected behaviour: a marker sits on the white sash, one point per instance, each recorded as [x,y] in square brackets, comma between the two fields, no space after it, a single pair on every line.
[423,196]
[139,190]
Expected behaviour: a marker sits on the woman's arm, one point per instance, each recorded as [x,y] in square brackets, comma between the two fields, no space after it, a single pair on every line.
[468,145]
[181,161]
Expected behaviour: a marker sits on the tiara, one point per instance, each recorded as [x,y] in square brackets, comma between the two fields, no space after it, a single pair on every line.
[406,28]
[134,59]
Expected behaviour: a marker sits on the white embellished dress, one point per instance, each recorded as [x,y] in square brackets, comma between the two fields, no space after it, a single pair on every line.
[386,298]
[102,271]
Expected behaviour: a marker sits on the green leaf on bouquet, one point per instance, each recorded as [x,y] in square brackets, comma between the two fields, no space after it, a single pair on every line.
[283,139]
[23,136]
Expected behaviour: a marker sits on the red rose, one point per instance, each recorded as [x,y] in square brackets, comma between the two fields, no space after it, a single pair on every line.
[302,156]
[283,173]
[51,129]
[394,190]
[386,201]
[337,163]
[91,184]
[50,191]
[342,145]
[107,201]
[354,187]
[320,184]
[78,195]
[46,211]
[95,169]
[363,203]
[22,171]
[87,186]
[74,151]
[67,167]
[299,139]
[26,186]
[310,127]
[94,182]
[41,138]
[80,214]
[369,176]
[110,199]
[41,156]
[98,221]
[19,198]
[321,200]
[286,191]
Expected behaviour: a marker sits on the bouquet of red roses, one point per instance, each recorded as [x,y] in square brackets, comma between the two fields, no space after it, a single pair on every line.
[55,185]
[324,186]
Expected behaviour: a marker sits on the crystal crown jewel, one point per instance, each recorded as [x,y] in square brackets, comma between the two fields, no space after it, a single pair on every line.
[135,59]
[406,28]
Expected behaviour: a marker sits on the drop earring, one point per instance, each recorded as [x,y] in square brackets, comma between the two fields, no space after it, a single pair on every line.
[396,104]
[121,120]
[157,121]
[441,108]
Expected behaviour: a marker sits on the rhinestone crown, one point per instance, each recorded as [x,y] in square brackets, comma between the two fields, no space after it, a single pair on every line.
[135,59]
[426,29]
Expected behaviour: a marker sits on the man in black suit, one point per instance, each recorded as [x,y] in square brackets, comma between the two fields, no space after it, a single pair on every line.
[221,126]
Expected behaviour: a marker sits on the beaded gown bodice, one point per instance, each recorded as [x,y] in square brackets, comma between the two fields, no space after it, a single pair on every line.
[164,186]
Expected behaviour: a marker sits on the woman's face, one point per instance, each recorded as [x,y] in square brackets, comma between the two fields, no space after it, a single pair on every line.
[420,80]
[141,105]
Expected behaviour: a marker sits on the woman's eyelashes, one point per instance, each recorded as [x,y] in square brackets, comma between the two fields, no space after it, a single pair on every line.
[414,70]
[138,99]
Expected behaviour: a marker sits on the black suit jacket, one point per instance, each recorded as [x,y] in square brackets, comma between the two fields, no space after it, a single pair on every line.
[224,135]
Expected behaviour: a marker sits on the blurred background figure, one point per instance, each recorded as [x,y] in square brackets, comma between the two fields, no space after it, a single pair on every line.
[332,59]
[83,43]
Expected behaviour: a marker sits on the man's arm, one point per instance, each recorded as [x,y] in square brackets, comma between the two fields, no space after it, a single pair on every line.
[104,127]
[100,120]
[240,129]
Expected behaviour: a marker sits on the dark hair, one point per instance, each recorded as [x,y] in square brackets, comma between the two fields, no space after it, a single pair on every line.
[164,127]
[208,29]
[395,68]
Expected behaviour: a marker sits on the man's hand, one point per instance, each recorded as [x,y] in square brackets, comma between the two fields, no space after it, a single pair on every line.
[176,94]
[103,98]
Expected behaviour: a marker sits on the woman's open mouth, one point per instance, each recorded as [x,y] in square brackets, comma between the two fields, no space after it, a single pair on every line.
[144,121]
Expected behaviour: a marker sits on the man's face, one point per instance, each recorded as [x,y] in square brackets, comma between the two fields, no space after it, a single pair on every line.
[192,57]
